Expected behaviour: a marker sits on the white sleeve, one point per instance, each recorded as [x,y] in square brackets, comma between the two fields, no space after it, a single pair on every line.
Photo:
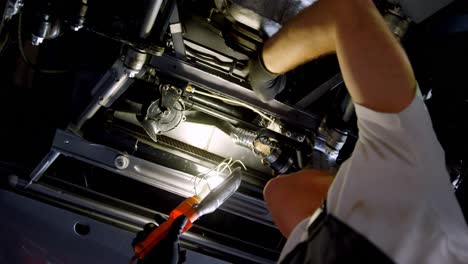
[395,185]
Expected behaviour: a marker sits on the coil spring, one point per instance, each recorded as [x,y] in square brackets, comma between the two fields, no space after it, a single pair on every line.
[243,137]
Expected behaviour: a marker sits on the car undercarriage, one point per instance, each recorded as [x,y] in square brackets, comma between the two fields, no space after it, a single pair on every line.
[119,110]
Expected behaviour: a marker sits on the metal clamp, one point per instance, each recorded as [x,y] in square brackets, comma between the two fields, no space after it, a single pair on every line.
[175,28]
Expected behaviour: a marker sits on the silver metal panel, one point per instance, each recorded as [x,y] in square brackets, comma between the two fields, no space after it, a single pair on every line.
[213,140]
[141,170]
[171,180]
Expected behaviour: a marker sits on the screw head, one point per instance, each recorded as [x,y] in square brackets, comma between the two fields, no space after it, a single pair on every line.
[121,162]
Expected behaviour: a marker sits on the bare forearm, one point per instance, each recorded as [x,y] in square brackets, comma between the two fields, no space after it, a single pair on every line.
[294,197]
[306,37]
[374,66]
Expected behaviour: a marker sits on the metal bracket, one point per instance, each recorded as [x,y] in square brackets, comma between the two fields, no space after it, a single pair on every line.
[169,96]
[174,181]
[175,27]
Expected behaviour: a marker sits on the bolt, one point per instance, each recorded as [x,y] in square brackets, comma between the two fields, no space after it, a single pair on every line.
[66,141]
[190,88]
[288,134]
[300,138]
[121,162]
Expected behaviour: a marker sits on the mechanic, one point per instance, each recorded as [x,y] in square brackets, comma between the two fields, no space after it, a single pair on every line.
[391,201]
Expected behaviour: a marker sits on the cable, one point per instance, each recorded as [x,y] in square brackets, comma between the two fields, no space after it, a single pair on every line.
[4,42]
[23,55]
[240,162]
[235,102]
[202,176]
[2,45]
[123,41]
[2,24]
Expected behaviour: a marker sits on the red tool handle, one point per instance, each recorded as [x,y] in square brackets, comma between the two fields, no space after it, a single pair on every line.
[186,207]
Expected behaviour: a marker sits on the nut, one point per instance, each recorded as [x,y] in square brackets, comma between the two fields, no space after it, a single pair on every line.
[190,88]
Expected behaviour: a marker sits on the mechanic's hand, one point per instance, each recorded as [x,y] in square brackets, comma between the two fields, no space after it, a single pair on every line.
[265,84]
[167,251]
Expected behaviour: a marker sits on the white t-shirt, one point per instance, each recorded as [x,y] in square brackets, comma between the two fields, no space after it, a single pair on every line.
[395,190]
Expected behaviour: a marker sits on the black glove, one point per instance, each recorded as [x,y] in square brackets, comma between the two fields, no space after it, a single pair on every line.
[265,84]
[167,251]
